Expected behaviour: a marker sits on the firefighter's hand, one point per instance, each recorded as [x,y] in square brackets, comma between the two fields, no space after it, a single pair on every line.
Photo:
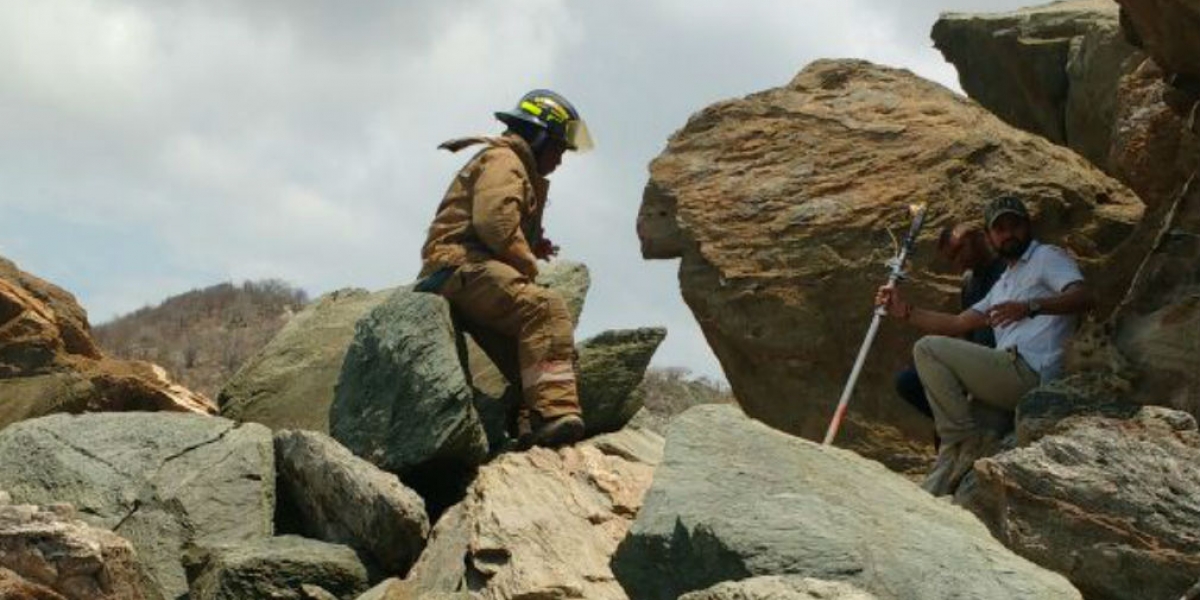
[1007,313]
[889,298]
[544,249]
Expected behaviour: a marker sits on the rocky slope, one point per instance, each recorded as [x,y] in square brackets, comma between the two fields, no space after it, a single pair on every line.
[1128,79]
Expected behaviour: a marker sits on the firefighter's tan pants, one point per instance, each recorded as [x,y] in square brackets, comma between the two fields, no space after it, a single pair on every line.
[504,309]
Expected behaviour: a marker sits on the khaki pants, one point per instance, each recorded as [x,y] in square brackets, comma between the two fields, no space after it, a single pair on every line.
[957,373]
[524,328]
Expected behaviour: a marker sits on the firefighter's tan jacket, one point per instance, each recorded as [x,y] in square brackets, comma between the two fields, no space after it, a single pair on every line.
[493,209]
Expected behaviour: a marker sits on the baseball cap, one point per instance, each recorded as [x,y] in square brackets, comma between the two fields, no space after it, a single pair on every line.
[1004,205]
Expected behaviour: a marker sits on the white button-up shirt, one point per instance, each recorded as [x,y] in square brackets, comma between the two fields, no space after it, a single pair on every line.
[1043,271]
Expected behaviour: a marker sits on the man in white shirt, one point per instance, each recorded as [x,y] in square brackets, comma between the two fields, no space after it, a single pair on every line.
[1032,309]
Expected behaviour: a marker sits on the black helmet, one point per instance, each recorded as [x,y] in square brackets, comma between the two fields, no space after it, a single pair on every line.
[553,116]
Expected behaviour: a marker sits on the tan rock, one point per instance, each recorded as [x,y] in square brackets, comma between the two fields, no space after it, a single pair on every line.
[539,524]
[49,362]
[68,316]
[1050,69]
[779,205]
[1169,30]
[1157,150]
[15,587]
[780,588]
[1153,149]
[46,554]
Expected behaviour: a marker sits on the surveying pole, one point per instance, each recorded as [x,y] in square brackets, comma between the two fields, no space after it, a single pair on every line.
[896,274]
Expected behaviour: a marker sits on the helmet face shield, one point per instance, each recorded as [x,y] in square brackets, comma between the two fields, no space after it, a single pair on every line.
[578,137]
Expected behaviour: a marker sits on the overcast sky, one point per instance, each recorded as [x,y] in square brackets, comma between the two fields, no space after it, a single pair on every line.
[148,148]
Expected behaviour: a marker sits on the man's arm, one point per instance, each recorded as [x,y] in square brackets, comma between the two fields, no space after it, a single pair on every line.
[929,321]
[496,215]
[1076,298]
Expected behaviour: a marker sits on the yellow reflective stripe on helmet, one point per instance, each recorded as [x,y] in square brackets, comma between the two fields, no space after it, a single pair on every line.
[531,108]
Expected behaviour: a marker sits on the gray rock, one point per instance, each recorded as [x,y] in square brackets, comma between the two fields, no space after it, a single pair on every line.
[569,278]
[1042,410]
[611,365]
[54,552]
[1113,504]
[159,480]
[278,568]
[342,498]
[780,588]
[1052,70]
[289,383]
[734,498]
[402,399]
[636,444]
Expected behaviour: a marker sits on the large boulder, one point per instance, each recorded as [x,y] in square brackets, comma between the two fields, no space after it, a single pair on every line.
[345,499]
[539,524]
[780,588]
[1051,70]
[1158,153]
[1169,30]
[160,480]
[734,499]
[402,400]
[281,568]
[50,549]
[1110,503]
[50,364]
[289,384]
[779,205]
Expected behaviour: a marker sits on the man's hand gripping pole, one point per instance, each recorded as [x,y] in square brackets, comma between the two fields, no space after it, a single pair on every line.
[896,273]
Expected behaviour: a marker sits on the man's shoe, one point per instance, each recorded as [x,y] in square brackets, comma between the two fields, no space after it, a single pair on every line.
[977,446]
[937,482]
[559,431]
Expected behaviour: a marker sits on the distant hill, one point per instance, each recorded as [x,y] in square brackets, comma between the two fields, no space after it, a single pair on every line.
[201,337]
[668,391]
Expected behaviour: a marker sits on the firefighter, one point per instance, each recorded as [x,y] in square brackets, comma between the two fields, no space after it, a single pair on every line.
[481,254]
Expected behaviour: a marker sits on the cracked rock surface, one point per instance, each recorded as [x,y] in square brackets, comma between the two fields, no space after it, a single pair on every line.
[734,499]
[160,480]
[1112,503]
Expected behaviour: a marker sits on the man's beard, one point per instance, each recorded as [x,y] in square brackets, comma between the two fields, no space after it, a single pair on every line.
[1014,248]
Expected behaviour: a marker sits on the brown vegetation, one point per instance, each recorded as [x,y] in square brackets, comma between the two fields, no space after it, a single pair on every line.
[668,391]
[203,336]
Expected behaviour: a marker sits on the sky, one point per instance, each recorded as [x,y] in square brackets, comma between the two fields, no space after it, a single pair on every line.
[148,148]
